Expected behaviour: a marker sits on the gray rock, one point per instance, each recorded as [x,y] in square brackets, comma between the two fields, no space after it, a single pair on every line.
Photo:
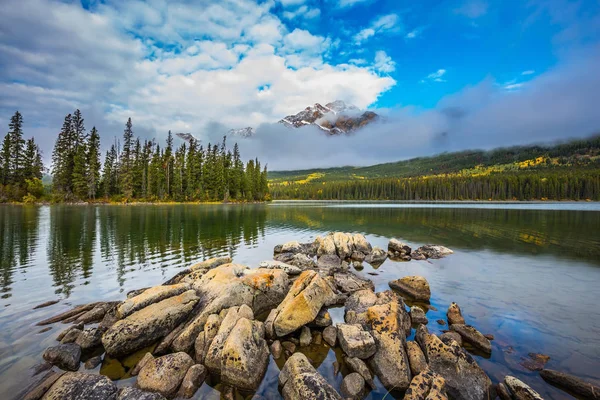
[164,374]
[415,287]
[192,381]
[416,358]
[357,365]
[287,268]
[146,326]
[355,341]
[97,313]
[78,386]
[289,347]
[70,336]
[349,283]
[89,338]
[397,249]
[417,316]
[276,349]
[78,327]
[298,379]
[64,356]
[472,336]
[42,386]
[329,261]
[573,384]
[330,335]
[376,257]
[433,251]
[150,296]
[520,390]
[465,380]
[305,336]
[322,320]
[503,392]
[353,386]
[447,337]
[303,261]
[454,315]
[93,362]
[131,393]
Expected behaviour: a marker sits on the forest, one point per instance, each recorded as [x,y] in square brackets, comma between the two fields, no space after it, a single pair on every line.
[133,170]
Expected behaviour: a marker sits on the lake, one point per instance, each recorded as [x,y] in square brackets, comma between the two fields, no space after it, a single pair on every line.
[528,273]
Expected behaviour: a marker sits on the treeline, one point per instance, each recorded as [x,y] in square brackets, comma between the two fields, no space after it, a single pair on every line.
[556,184]
[136,170]
[21,165]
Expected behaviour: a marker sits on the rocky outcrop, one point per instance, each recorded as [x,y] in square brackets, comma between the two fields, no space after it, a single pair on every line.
[376,257]
[164,374]
[213,358]
[146,326]
[571,383]
[431,251]
[287,268]
[454,315]
[232,285]
[398,250]
[465,380]
[64,356]
[77,385]
[306,297]
[347,282]
[472,336]
[520,390]
[150,296]
[396,317]
[298,379]
[415,287]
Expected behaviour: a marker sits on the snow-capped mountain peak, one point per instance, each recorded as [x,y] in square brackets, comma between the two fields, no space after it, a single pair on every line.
[243,132]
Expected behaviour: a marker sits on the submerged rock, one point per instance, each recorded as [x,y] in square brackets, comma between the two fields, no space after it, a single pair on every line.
[77,386]
[432,251]
[43,385]
[64,356]
[415,287]
[465,380]
[146,326]
[472,336]
[150,296]
[305,336]
[164,374]
[353,386]
[306,297]
[535,362]
[520,390]
[131,393]
[298,379]
[573,384]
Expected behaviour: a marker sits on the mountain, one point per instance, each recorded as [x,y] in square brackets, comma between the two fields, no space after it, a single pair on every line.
[335,118]
[243,132]
[185,136]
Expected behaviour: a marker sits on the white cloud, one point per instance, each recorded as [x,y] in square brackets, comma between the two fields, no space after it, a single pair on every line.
[268,30]
[357,61]
[528,72]
[302,12]
[287,3]
[415,33]
[350,3]
[473,9]
[384,63]
[436,76]
[389,23]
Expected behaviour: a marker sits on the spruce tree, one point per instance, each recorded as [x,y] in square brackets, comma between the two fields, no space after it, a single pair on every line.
[93,163]
[62,167]
[168,163]
[17,148]
[5,169]
[80,179]
[126,171]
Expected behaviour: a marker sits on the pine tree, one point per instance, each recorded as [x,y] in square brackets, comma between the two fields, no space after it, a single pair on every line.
[5,169]
[126,171]
[17,148]
[80,179]
[109,173]
[93,163]
[168,164]
[62,163]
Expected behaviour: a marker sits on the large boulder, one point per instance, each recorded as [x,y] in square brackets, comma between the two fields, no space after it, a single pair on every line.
[426,385]
[298,379]
[89,338]
[431,251]
[353,386]
[520,390]
[471,335]
[572,383]
[359,302]
[415,287]
[355,341]
[399,250]
[150,296]
[454,315]
[146,326]
[245,355]
[307,296]
[465,380]
[77,386]
[131,393]
[361,245]
[325,245]
[164,374]
[376,257]
[347,282]
[64,356]
[232,285]
[417,316]
[416,358]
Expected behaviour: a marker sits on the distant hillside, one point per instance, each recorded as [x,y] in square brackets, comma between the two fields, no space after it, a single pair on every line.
[524,172]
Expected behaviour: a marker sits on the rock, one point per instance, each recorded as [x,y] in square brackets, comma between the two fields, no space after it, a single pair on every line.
[359,303]
[64,356]
[397,249]
[138,367]
[446,337]
[276,349]
[358,258]
[78,385]
[43,385]
[287,268]
[63,334]
[89,338]
[441,322]
[97,313]
[211,263]
[489,336]
[535,362]
[350,283]
[472,336]
[93,362]
[46,304]
[426,385]
[146,326]
[357,365]
[245,355]
[360,244]
[353,386]
[131,393]
[415,287]
[303,261]
[325,245]
[503,392]
[71,336]
[74,312]
[232,285]
[193,379]
[465,380]
[164,374]
[329,261]
[322,320]
[306,297]
[454,315]
[432,251]
[317,337]
[336,368]
[376,257]
[416,358]
[520,390]
[305,336]
[417,316]
[355,341]
[298,379]
[573,384]
[343,244]
[289,347]
[330,335]
[150,296]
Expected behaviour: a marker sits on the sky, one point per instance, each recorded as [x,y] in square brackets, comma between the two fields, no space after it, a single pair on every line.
[446,75]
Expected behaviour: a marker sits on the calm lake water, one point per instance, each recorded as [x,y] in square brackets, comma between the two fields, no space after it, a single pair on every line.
[527,273]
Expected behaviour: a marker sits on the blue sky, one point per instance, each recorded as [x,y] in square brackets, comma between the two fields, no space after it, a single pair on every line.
[207,66]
